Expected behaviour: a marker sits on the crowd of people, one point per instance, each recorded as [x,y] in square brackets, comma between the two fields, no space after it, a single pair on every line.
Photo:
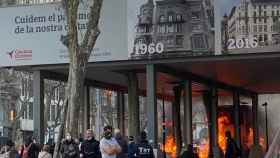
[110,146]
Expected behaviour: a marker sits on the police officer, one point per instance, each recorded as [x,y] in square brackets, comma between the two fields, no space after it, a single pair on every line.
[143,148]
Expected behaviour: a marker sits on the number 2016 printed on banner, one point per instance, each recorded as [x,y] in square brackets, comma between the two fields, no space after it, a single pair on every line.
[142,49]
[242,43]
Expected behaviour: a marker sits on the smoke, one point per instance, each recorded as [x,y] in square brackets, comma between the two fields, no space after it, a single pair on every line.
[273,111]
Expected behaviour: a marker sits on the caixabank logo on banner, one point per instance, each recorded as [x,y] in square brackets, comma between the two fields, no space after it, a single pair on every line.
[20,54]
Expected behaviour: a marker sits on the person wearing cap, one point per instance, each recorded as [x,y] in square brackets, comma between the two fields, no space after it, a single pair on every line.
[109,146]
[143,148]
[131,147]
[90,146]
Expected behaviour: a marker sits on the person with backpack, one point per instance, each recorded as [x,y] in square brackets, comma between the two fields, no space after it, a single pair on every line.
[69,148]
[30,149]
[90,146]
[232,150]
[143,148]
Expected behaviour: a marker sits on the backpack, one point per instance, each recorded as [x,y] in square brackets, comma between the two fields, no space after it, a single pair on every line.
[25,151]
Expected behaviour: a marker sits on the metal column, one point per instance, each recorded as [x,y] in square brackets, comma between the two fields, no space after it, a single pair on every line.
[133,105]
[152,104]
[187,127]
[121,112]
[255,103]
[214,124]
[236,102]
[38,106]
[98,123]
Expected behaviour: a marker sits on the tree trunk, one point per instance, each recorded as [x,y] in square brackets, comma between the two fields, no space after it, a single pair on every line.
[82,117]
[78,56]
[76,98]
[176,119]
[16,123]
[47,110]
[61,129]
[133,105]
[64,117]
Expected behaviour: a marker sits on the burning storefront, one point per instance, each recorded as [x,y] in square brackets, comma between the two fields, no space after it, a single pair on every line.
[225,122]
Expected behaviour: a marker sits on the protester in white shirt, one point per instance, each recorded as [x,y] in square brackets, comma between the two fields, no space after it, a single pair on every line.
[108,145]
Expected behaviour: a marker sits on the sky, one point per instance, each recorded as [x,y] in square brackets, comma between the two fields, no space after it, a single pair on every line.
[133,8]
[227,5]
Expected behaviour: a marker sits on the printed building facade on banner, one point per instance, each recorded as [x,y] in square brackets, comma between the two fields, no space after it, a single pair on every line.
[185,27]
[254,19]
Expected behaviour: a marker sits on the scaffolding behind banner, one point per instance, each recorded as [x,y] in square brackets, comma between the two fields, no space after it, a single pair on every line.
[274,148]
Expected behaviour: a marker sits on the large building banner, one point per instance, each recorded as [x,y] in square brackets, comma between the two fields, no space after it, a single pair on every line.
[143,29]
[30,35]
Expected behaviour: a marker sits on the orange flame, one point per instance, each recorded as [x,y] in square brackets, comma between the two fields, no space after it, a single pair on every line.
[170,146]
[203,149]
[250,141]
[250,138]
[224,124]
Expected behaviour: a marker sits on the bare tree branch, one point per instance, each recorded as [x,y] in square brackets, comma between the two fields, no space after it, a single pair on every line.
[93,31]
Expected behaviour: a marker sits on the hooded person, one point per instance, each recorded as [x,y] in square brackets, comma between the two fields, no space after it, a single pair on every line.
[90,146]
[69,148]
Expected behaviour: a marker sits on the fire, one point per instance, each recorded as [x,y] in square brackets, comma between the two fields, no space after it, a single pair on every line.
[251,140]
[224,124]
[203,148]
[170,146]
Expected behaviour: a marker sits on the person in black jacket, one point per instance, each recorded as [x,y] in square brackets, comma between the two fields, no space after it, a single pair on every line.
[232,150]
[189,153]
[143,148]
[131,147]
[123,143]
[69,148]
[90,147]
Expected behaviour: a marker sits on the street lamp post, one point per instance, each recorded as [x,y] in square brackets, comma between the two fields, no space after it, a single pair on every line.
[266,125]
[163,124]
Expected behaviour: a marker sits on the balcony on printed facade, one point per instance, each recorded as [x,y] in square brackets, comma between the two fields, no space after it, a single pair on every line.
[146,13]
[171,18]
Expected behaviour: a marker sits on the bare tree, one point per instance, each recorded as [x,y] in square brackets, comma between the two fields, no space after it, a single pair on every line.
[54,97]
[17,87]
[79,53]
